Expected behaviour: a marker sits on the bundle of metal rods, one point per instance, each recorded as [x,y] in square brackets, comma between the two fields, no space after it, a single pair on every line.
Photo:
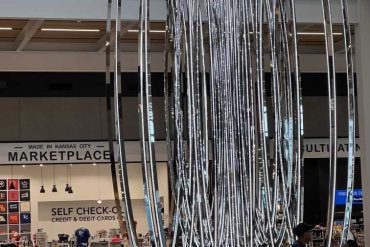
[235,155]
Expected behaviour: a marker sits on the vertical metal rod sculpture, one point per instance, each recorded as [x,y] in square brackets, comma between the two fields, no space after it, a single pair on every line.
[299,116]
[147,137]
[108,89]
[248,192]
[351,121]
[123,175]
[329,44]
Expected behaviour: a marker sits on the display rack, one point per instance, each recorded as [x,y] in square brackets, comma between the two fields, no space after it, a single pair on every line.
[41,239]
[15,208]
[317,237]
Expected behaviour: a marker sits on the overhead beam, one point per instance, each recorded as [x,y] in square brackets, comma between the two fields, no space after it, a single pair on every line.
[26,34]
[308,11]
[102,42]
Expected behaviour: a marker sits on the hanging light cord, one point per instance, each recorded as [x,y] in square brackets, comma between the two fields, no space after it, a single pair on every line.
[54,173]
[67,175]
[70,175]
[98,181]
[42,178]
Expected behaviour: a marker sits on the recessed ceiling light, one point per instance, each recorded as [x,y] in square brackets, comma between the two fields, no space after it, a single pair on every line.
[69,30]
[151,31]
[157,31]
[315,33]
[6,28]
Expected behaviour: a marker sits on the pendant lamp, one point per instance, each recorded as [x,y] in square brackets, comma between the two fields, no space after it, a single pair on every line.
[42,190]
[11,186]
[54,185]
[67,184]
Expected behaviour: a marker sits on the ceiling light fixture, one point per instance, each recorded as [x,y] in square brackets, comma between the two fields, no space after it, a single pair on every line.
[54,189]
[157,31]
[67,188]
[12,186]
[42,190]
[70,191]
[151,31]
[316,33]
[67,184]
[69,30]
[99,201]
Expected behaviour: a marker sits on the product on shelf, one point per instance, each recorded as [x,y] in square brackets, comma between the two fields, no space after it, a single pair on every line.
[82,236]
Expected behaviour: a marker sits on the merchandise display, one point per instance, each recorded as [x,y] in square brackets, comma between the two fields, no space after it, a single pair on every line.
[14,220]
[63,238]
[82,236]
[40,238]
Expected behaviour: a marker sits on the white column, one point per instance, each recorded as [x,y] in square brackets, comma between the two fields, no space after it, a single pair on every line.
[363,97]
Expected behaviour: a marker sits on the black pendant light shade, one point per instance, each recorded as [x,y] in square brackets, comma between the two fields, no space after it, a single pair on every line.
[67,184]
[70,191]
[54,188]
[42,190]
[12,186]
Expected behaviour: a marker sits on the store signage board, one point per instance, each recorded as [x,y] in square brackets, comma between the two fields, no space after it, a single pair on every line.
[77,211]
[53,152]
[96,152]
[69,152]
[319,148]
[85,211]
[341,196]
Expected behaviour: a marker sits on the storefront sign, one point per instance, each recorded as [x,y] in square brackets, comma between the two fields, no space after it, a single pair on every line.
[90,152]
[70,152]
[77,211]
[75,152]
[319,148]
